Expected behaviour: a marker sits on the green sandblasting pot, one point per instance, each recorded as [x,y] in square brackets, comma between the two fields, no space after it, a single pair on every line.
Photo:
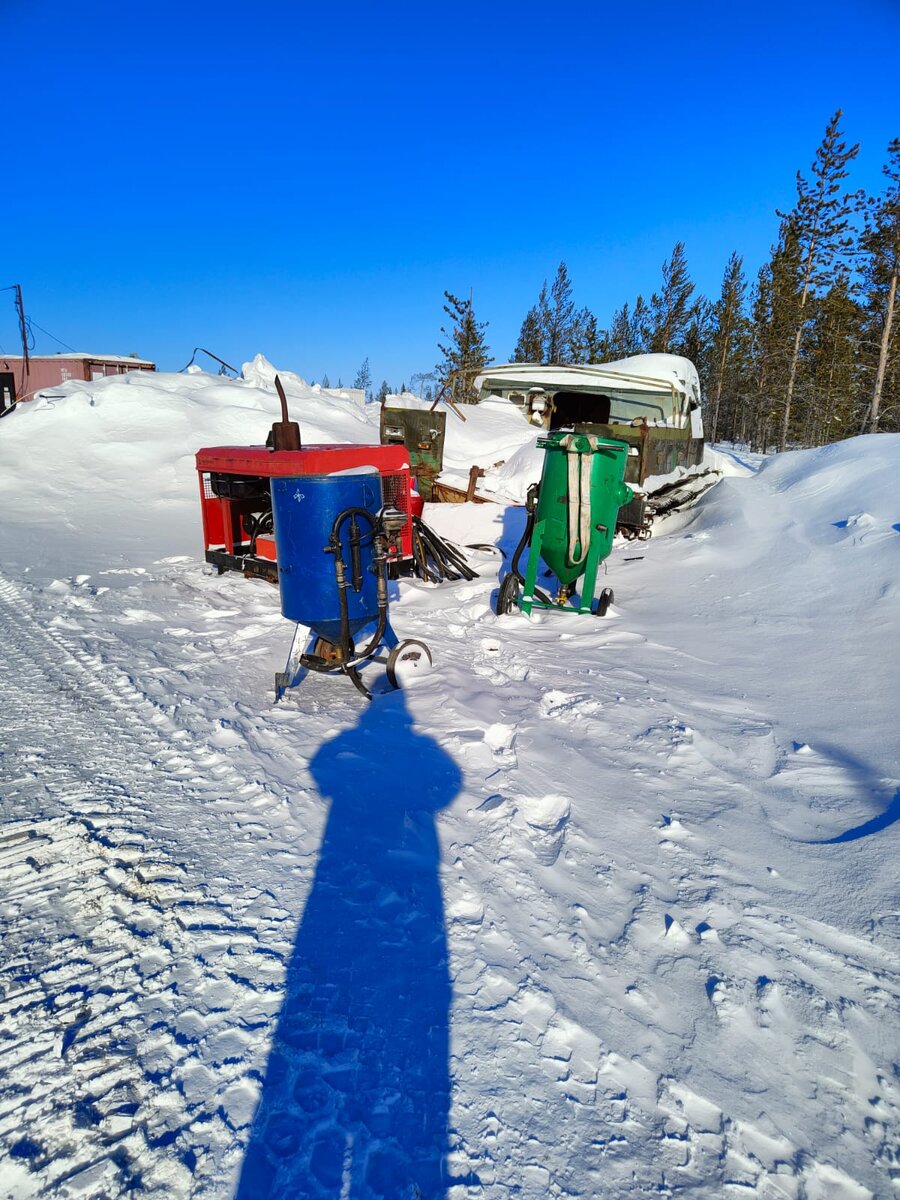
[579,503]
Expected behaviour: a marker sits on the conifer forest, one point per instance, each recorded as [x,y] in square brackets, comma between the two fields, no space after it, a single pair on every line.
[805,353]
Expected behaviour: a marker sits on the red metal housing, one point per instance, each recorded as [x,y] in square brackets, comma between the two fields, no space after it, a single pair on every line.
[229,520]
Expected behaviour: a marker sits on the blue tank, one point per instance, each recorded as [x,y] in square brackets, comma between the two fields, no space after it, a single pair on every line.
[303,509]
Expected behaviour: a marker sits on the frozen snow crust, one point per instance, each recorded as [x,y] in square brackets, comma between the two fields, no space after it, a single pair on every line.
[598,909]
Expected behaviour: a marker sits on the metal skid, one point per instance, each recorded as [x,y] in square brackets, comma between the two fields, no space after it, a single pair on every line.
[529,600]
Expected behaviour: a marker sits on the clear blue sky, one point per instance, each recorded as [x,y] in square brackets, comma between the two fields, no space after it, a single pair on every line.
[306,180]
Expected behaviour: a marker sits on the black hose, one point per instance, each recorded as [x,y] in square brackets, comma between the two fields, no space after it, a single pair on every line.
[524,541]
[434,559]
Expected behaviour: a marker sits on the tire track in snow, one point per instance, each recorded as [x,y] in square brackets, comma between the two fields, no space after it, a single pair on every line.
[134,1002]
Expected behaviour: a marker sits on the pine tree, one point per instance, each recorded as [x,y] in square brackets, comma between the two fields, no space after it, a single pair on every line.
[559,318]
[363,378]
[880,270]
[640,327]
[728,350]
[697,341]
[587,342]
[326,383]
[543,319]
[618,336]
[530,346]
[383,392]
[774,303]
[833,380]
[670,311]
[627,331]
[466,352]
[547,332]
[820,221]
[339,384]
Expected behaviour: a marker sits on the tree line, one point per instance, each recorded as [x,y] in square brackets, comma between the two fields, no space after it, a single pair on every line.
[806,354]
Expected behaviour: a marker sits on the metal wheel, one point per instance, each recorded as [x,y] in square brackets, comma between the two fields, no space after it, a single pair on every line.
[604,600]
[507,596]
[406,661]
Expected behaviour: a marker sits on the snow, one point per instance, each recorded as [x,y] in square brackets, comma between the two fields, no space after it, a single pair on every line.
[64,355]
[598,908]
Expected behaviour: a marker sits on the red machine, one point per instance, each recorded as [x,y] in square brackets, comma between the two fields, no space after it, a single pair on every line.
[237,504]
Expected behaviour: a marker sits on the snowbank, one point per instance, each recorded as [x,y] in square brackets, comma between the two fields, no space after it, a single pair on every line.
[109,465]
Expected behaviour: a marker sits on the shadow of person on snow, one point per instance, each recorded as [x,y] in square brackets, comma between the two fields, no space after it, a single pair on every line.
[356,1094]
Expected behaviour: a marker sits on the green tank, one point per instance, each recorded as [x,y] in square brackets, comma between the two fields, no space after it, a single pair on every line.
[571,523]
[581,492]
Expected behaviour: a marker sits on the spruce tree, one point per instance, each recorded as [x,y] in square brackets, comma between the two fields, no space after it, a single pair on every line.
[466,352]
[880,271]
[820,221]
[670,310]
[383,392]
[326,383]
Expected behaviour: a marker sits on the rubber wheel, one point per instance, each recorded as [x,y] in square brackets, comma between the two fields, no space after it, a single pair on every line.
[604,600]
[507,596]
[406,660]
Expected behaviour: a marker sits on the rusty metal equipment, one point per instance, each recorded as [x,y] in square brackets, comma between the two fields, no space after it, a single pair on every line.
[236,499]
[422,432]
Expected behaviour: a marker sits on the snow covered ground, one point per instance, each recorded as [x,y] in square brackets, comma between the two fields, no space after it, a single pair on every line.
[600,908]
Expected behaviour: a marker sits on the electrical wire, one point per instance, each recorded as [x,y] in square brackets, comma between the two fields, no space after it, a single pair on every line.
[29,321]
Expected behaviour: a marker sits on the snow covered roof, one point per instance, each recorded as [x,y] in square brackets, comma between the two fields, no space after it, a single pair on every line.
[67,355]
[640,373]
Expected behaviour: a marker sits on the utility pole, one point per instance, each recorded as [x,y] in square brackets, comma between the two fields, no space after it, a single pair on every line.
[23,329]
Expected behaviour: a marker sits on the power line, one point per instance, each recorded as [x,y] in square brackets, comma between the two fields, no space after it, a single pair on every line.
[28,322]
[52,336]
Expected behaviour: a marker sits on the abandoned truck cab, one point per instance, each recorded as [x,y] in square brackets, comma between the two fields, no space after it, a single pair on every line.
[649,401]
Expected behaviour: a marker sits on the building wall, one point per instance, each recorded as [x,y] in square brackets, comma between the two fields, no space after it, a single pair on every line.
[51,372]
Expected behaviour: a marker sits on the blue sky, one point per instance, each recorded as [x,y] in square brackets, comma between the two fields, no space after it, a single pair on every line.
[306,180]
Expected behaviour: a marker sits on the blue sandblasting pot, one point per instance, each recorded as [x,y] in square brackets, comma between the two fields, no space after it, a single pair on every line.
[304,508]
